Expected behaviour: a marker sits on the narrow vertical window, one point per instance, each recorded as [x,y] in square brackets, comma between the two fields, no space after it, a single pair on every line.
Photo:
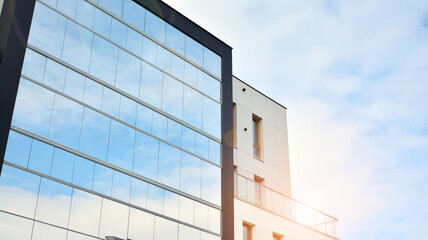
[256,137]
[247,231]
[259,182]
[234,125]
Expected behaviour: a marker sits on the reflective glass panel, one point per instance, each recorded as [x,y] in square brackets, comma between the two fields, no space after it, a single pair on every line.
[212,62]
[163,60]
[102,23]
[85,213]
[114,6]
[146,156]
[41,157]
[134,14]
[172,97]
[95,133]
[45,232]
[201,215]
[134,42]
[175,39]
[128,110]
[111,102]
[118,32]
[34,65]
[138,195]
[85,13]
[74,84]
[77,46]
[188,139]
[121,186]
[190,180]
[177,67]
[68,7]
[188,233]
[18,149]
[155,198]
[33,108]
[155,27]
[53,204]
[93,95]
[211,183]
[194,51]
[19,191]
[212,117]
[190,74]
[214,151]
[201,145]
[13,227]
[76,236]
[159,125]
[192,107]
[114,219]
[103,179]
[103,60]
[62,165]
[161,224]
[121,145]
[137,230]
[150,49]
[128,73]
[66,122]
[169,165]
[186,210]
[47,30]
[144,118]
[151,85]
[171,204]
[174,133]
[214,220]
[204,81]
[83,173]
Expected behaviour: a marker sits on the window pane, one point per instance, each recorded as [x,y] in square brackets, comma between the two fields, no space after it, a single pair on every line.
[169,165]
[137,230]
[66,122]
[201,215]
[111,102]
[95,133]
[18,149]
[161,224]
[134,42]
[121,186]
[174,133]
[102,23]
[204,81]
[62,165]
[177,67]
[134,14]
[212,117]
[144,118]
[212,62]
[138,193]
[41,157]
[77,46]
[103,178]
[214,220]
[47,30]
[188,233]
[175,39]
[114,220]
[214,151]
[128,110]
[201,145]
[186,210]
[150,49]
[103,60]
[190,180]
[118,32]
[192,109]
[19,191]
[128,73]
[83,173]
[93,95]
[33,108]
[155,198]
[114,6]
[189,139]
[151,85]
[85,213]
[67,7]
[190,74]
[85,13]
[34,65]
[172,97]
[155,27]
[159,125]
[121,145]
[194,51]
[171,204]
[75,236]
[74,85]
[211,183]
[146,156]
[13,227]
[54,198]
[45,232]
[163,60]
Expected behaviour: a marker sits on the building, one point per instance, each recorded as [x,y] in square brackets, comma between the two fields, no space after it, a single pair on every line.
[117,123]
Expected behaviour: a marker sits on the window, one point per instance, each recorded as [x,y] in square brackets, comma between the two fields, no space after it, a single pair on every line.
[234,125]
[256,137]
[259,189]
[277,236]
[247,231]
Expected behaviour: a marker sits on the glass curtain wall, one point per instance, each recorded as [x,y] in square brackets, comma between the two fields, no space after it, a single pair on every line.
[116,129]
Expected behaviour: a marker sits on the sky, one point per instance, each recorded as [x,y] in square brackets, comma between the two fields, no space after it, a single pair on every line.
[354,77]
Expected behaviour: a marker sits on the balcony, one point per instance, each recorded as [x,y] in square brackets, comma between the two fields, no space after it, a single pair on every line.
[270,200]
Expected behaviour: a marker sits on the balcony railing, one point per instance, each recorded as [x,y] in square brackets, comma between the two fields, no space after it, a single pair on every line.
[284,206]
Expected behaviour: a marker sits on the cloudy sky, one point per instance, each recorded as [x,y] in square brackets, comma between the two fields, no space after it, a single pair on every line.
[354,77]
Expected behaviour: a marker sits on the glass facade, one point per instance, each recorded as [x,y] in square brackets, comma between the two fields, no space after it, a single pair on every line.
[116,129]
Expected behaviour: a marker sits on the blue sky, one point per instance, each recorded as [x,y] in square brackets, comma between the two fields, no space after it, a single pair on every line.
[354,76]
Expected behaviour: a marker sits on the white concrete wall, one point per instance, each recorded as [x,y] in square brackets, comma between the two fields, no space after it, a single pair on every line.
[266,223]
[274,164]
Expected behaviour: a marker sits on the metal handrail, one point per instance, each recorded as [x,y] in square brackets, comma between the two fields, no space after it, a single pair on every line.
[283,205]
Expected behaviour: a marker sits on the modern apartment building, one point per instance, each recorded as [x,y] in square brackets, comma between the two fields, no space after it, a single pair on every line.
[117,122]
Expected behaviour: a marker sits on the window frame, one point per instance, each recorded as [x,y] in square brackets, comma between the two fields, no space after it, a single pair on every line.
[249,226]
[257,148]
